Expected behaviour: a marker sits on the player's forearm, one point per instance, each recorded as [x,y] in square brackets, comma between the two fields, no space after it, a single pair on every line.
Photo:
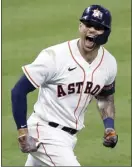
[19,101]
[106,107]
[107,110]
[19,108]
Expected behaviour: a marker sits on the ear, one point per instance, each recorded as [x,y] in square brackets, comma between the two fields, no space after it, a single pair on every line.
[80,25]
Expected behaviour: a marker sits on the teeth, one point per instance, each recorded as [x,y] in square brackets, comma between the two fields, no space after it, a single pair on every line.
[91,36]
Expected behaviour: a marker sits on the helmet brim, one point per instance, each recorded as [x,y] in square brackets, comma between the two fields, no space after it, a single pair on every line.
[95,23]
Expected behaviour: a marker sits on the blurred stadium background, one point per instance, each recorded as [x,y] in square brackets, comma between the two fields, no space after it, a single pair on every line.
[28,26]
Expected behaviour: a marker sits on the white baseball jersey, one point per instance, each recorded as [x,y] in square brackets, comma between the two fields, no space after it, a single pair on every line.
[67,82]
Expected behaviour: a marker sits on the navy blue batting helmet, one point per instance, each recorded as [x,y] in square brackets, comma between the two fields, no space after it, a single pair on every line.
[100,17]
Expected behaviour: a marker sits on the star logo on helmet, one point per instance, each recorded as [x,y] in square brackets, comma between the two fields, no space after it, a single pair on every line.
[97,13]
[85,17]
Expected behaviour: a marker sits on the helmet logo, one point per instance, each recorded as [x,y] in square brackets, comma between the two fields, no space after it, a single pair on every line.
[97,13]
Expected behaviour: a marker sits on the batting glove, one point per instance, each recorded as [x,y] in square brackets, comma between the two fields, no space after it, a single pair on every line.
[110,138]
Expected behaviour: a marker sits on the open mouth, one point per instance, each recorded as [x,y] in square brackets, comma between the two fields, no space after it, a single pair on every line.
[89,42]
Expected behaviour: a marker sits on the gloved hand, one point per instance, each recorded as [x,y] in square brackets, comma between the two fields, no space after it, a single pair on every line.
[27,143]
[110,138]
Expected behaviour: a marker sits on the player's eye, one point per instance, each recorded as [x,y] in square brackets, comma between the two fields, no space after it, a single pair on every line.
[95,25]
[99,27]
[88,24]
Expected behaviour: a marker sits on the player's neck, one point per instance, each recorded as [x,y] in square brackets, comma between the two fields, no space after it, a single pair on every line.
[88,56]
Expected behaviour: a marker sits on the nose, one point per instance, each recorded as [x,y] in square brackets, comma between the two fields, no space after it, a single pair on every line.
[90,31]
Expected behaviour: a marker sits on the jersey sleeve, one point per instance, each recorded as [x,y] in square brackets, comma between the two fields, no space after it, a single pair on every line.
[41,70]
[109,87]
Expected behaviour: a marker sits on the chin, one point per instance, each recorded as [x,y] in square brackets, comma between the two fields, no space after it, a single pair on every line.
[89,49]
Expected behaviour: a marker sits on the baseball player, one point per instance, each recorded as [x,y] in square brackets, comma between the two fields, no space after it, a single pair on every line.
[69,75]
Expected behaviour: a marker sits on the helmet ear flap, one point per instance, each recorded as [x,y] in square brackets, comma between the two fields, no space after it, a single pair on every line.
[103,38]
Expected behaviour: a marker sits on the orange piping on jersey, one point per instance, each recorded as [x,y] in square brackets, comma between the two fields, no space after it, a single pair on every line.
[30,77]
[82,85]
[83,106]
[98,64]
[37,131]
[92,80]
[43,145]
[47,154]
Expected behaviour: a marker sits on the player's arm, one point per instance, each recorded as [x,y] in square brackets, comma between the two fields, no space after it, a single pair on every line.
[19,110]
[41,70]
[19,101]
[106,107]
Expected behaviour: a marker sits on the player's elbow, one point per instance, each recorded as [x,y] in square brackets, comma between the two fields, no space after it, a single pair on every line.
[22,88]
[16,93]
[100,104]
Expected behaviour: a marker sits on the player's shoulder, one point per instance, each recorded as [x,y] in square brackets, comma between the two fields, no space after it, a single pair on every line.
[109,59]
[53,51]
[60,48]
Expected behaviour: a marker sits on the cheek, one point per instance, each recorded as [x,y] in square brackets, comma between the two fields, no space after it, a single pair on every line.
[100,32]
[82,30]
